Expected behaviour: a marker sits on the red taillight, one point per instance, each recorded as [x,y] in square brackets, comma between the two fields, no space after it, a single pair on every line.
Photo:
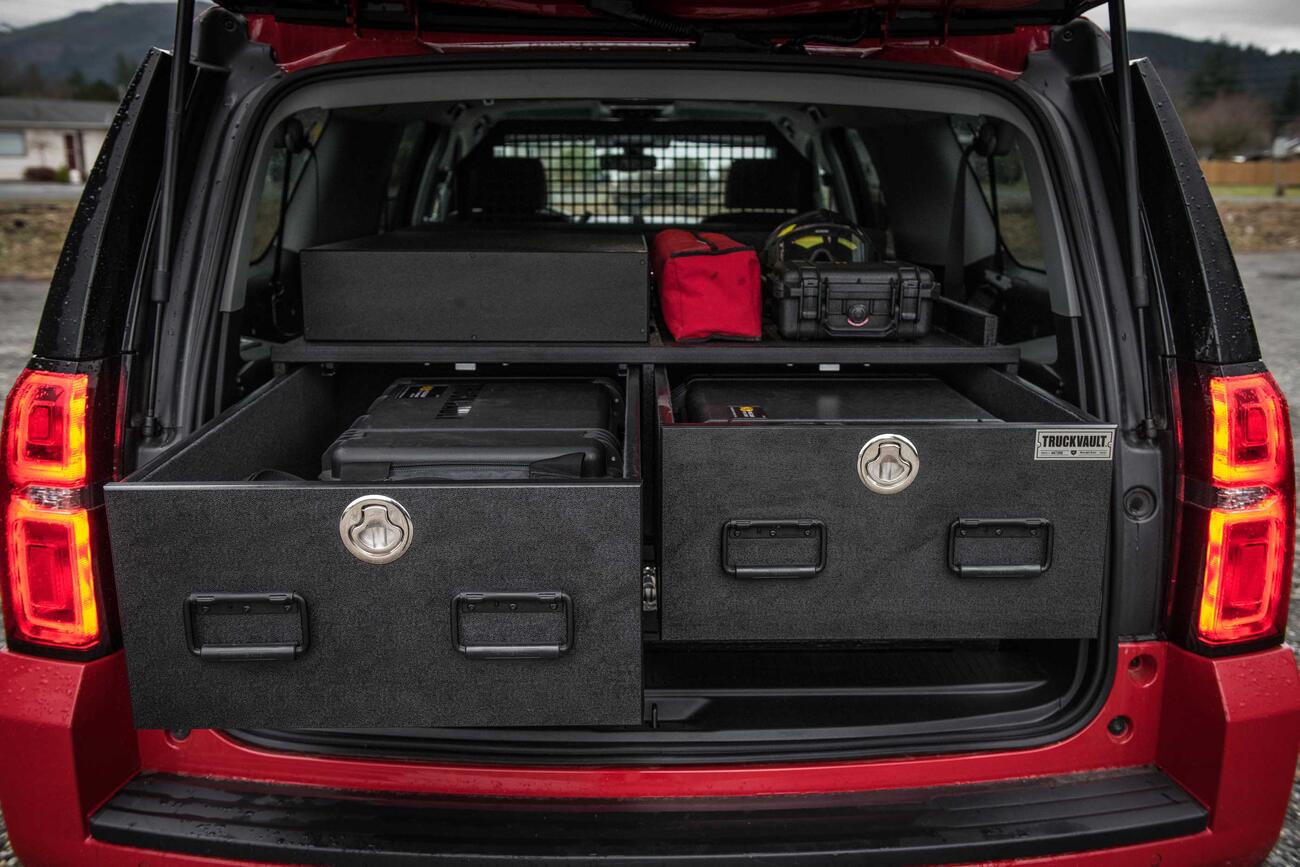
[45,429]
[1251,442]
[1239,515]
[51,575]
[1245,572]
[50,589]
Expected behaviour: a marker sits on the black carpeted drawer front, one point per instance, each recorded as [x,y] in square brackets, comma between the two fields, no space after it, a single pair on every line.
[769,533]
[515,605]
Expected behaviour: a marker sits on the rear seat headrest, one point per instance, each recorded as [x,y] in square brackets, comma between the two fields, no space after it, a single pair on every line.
[503,185]
[770,185]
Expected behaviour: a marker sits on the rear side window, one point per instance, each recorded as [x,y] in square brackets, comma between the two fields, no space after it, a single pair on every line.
[283,168]
[675,176]
[1005,185]
[400,181]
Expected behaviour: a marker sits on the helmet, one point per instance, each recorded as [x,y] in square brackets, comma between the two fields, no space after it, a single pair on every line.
[817,236]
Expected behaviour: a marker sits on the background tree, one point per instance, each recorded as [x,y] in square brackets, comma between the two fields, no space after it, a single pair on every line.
[123,72]
[77,87]
[1288,107]
[1218,74]
[1230,125]
[30,82]
[8,77]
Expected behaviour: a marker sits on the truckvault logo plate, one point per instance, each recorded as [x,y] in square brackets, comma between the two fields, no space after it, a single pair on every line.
[1073,444]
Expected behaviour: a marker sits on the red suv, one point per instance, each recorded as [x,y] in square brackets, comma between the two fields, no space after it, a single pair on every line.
[491,431]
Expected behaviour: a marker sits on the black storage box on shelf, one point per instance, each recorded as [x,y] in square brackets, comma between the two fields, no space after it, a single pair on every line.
[879,301]
[242,604]
[431,430]
[485,284]
[836,508]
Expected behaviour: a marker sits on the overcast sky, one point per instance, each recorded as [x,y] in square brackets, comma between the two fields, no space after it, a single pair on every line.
[1272,24]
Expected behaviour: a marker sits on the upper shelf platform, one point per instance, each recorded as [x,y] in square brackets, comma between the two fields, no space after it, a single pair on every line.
[935,348]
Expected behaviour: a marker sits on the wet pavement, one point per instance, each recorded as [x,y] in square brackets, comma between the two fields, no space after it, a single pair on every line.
[21,302]
[1273,286]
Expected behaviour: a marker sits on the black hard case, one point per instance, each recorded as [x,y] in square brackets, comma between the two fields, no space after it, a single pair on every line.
[496,284]
[770,535]
[383,648]
[813,300]
[441,430]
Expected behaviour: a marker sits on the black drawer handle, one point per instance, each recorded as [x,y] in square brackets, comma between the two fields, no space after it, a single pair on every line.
[505,605]
[215,607]
[774,533]
[972,531]
[248,652]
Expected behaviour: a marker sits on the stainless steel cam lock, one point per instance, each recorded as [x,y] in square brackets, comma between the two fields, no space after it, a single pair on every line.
[375,529]
[888,463]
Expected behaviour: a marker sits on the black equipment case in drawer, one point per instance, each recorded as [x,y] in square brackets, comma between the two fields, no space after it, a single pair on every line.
[515,604]
[432,430]
[481,284]
[771,532]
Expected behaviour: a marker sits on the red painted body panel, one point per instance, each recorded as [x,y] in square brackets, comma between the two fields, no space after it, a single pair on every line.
[1226,729]
[743,10]
[738,10]
[302,46]
[1091,748]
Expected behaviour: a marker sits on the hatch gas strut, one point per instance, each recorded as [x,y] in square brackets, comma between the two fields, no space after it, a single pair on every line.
[1138,291]
[162,277]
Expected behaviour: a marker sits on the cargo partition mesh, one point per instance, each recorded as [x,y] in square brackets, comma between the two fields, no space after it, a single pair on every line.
[637,177]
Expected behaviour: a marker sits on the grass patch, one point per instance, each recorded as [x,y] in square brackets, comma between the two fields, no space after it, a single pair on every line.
[1263,191]
[1264,226]
[31,236]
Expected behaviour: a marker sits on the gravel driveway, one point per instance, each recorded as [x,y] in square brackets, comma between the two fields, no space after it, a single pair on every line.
[1272,279]
[1273,284]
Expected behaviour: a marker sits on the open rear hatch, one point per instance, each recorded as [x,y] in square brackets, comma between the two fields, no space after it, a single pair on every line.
[485,497]
[721,16]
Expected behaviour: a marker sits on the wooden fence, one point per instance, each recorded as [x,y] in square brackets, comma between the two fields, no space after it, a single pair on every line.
[1264,173]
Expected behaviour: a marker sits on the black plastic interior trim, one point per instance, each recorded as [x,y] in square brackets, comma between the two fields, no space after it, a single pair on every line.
[697,720]
[937,348]
[979,822]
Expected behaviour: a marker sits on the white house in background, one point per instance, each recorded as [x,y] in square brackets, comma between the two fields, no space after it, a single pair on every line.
[52,133]
[1286,147]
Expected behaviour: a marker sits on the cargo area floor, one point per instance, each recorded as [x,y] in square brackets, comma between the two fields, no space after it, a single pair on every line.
[746,703]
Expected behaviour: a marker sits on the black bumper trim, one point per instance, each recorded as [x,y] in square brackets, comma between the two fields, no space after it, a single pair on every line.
[979,822]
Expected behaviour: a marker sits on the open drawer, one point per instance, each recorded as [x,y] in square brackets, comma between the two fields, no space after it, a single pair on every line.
[879,508]
[514,603]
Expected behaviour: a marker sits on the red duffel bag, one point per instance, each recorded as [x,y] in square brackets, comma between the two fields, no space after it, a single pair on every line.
[709,286]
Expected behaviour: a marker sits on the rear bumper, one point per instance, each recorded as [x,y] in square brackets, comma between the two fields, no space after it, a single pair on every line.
[1224,731]
[992,821]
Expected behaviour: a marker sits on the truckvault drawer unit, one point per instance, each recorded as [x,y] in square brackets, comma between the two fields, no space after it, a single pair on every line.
[488,284]
[429,430]
[513,603]
[879,508]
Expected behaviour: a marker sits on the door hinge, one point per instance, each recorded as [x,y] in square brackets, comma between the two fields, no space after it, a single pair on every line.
[649,588]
